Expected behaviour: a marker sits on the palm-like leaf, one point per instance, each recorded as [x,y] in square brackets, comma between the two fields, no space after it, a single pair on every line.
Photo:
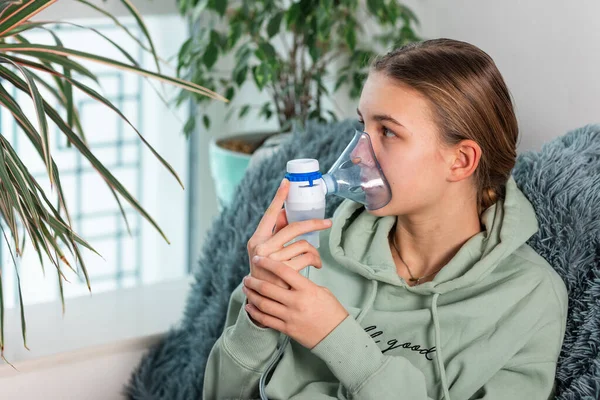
[27,67]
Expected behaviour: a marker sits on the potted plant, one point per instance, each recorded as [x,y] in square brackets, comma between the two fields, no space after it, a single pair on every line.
[29,67]
[287,49]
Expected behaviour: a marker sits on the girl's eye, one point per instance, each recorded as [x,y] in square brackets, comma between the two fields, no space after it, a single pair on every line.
[386,131]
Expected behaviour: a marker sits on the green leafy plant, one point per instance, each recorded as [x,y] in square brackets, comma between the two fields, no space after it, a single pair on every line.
[29,67]
[310,36]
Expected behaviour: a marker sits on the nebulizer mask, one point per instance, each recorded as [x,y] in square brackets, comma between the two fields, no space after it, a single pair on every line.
[356,175]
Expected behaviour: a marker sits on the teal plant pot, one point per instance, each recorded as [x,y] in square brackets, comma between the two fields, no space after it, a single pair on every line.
[228,167]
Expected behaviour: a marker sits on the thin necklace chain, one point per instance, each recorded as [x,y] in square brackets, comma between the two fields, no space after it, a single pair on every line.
[412,278]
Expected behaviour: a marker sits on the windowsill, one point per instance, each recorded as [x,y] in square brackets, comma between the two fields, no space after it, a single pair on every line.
[96,325]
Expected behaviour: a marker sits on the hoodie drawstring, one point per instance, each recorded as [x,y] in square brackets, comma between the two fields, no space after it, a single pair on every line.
[368,302]
[438,347]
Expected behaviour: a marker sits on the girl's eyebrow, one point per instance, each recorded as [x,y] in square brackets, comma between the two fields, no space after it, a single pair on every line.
[382,117]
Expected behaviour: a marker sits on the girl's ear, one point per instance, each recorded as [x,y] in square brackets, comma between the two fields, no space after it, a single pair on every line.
[466,156]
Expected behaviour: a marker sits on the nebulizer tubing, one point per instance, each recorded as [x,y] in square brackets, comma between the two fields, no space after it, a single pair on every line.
[356,175]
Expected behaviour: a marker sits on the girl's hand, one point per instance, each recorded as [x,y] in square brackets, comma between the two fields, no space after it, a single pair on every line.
[306,312]
[273,232]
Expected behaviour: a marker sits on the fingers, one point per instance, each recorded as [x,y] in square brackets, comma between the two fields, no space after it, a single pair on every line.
[258,291]
[281,221]
[265,226]
[301,249]
[270,277]
[289,233]
[292,250]
[265,320]
[303,261]
[287,274]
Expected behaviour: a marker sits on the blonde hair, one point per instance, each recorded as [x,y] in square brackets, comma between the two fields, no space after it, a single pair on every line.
[469,101]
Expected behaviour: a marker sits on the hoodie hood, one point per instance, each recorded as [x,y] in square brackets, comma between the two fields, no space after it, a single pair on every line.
[358,240]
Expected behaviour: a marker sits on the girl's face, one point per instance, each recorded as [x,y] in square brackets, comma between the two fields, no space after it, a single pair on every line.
[405,142]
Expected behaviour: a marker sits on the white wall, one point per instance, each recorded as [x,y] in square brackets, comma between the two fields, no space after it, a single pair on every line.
[96,378]
[547,52]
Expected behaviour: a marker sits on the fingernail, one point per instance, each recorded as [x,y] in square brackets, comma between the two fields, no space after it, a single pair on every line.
[256,259]
[328,222]
[282,184]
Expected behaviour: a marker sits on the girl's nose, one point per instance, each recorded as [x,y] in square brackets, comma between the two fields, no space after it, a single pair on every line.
[363,152]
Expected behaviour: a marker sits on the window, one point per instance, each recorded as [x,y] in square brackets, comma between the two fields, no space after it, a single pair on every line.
[144,257]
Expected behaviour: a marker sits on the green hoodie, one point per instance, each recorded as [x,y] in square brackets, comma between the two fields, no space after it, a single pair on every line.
[490,325]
